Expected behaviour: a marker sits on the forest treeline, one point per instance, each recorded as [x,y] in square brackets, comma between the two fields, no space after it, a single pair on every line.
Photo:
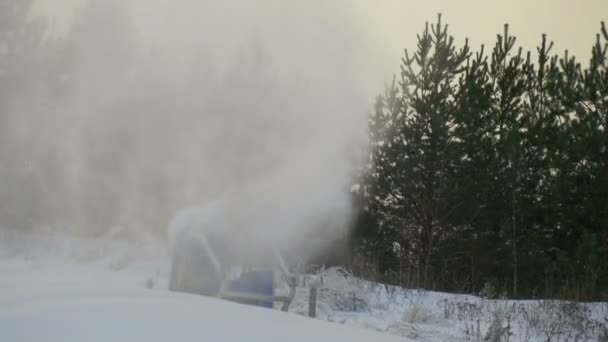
[489,171]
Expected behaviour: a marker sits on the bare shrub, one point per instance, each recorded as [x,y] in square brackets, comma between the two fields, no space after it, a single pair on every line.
[471,331]
[449,308]
[497,331]
[488,291]
[416,311]
[502,315]
[417,314]
[603,334]
[469,314]
[554,320]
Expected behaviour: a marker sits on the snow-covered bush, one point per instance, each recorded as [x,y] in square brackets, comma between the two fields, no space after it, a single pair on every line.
[417,311]
[417,314]
[553,320]
[603,336]
[341,291]
[501,316]
[488,291]
[339,300]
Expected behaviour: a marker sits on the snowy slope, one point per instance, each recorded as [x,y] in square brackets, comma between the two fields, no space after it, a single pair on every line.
[68,291]
[143,315]
[50,302]
[58,288]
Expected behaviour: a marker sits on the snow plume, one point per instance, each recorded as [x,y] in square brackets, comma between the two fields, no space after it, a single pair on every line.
[299,206]
[159,105]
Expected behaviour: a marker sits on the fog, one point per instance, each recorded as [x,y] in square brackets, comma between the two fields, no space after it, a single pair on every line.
[132,110]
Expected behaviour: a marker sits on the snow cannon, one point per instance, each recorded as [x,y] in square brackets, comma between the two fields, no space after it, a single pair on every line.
[208,263]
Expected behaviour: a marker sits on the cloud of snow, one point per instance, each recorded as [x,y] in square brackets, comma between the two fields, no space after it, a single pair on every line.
[171,104]
[302,126]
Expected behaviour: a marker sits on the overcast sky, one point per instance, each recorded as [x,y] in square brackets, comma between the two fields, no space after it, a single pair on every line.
[393,24]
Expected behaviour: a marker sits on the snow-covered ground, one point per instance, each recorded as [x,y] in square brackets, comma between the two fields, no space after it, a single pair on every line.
[58,288]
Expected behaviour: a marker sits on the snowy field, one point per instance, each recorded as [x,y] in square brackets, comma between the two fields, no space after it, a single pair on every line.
[55,288]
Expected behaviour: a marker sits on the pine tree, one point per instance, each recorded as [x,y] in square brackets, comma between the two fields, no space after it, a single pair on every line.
[492,169]
[414,152]
[474,175]
[507,75]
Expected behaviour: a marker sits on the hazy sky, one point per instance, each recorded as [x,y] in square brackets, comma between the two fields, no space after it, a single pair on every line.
[393,24]
[571,24]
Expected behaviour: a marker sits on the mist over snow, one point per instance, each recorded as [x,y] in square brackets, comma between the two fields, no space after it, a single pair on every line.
[153,106]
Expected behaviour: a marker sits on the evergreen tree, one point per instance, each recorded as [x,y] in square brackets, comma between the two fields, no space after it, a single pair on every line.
[491,169]
[378,222]
[414,157]
[474,176]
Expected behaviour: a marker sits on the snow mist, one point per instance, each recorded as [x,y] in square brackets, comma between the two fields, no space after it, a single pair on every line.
[175,104]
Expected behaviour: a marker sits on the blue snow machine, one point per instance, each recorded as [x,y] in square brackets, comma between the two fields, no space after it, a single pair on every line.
[203,264]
